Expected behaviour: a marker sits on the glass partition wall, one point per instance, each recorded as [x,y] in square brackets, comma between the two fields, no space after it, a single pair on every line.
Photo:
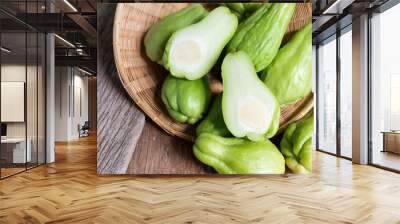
[22,98]
[327,96]
[385,89]
[346,95]
[334,84]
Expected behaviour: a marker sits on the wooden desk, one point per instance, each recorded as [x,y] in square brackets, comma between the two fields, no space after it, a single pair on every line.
[391,141]
[13,150]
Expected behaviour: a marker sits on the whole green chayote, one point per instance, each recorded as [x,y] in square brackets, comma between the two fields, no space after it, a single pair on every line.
[243,10]
[289,76]
[214,122]
[186,100]
[296,145]
[238,155]
[261,34]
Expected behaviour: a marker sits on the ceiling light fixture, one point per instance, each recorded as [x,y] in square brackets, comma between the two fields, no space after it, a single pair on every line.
[84,71]
[337,7]
[65,41]
[5,50]
[70,5]
[331,7]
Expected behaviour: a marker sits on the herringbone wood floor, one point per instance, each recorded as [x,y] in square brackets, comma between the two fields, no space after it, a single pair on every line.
[70,191]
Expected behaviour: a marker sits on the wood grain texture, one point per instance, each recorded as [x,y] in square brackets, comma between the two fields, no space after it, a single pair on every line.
[157,152]
[120,122]
[70,191]
[143,78]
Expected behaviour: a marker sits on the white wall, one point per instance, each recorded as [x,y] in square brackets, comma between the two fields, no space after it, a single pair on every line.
[16,72]
[33,127]
[9,73]
[61,103]
[70,83]
[81,85]
[12,101]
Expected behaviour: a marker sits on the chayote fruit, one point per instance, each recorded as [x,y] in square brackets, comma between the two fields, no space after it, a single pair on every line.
[214,122]
[289,76]
[186,100]
[236,8]
[261,34]
[252,7]
[238,156]
[242,10]
[296,145]
[157,36]
[192,51]
[249,108]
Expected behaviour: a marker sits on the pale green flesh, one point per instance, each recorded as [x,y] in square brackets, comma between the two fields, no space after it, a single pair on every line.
[248,106]
[157,36]
[192,52]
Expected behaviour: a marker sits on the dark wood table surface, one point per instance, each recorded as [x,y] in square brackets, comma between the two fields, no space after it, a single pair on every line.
[128,142]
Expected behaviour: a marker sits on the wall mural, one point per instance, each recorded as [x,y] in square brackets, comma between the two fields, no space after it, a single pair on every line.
[205,88]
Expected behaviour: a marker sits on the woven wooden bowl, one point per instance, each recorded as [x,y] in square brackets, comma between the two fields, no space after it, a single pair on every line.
[143,78]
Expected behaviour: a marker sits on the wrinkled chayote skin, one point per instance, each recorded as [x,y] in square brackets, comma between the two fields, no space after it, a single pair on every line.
[214,122]
[159,33]
[238,156]
[296,145]
[261,34]
[186,100]
[289,76]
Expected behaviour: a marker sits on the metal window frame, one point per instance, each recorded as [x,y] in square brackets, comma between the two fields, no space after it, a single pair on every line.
[387,5]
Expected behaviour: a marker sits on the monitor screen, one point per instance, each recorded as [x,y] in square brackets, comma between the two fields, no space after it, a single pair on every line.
[3,129]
